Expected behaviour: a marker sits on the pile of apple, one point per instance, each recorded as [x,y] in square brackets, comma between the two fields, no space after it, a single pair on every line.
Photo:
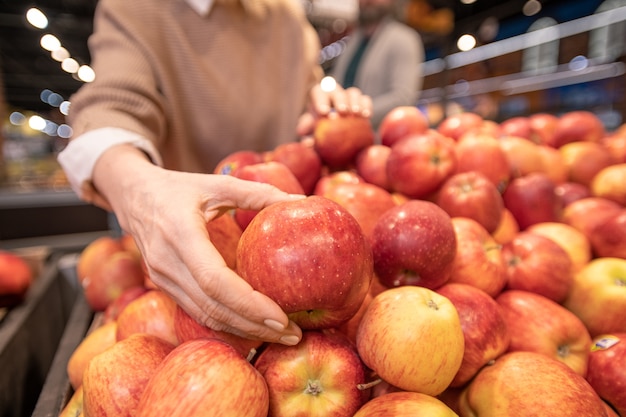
[470,269]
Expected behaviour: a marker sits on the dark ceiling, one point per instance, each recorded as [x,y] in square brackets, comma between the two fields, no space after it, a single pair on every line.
[27,69]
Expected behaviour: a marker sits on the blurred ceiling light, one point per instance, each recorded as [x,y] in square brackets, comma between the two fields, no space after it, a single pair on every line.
[70,65]
[86,74]
[468,1]
[37,18]
[50,42]
[60,54]
[64,108]
[488,30]
[328,84]
[531,7]
[466,42]
[64,131]
[16,118]
[37,122]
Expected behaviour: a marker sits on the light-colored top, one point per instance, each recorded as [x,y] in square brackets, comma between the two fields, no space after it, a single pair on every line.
[390,71]
[190,81]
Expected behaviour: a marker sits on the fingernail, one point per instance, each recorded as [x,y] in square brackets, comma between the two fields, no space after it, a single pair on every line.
[290,340]
[274,325]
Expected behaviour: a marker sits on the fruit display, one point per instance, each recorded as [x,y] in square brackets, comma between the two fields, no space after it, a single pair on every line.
[468,269]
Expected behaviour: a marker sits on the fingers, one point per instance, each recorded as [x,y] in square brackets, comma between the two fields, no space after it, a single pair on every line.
[344,101]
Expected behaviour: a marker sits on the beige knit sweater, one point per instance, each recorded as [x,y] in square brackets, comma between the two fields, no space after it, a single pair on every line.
[199,87]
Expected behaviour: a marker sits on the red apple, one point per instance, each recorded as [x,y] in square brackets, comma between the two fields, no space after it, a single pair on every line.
[485,331]
[365,201]
[615,143]
[572,240]
[95,253]
[371,164]
[471,194]
[578,213]
[578,125]
[232,162]
[478,261]
[405,404]
[311,257]
[543,126]
[553,163]
[585,159]
[412,338]
[484,154]
[529,384]
[204,377]
[609,238]
[152,313]
[519,126]
[119,272]
[538,264]
[571,191]
[16,278]
[610,183]
[456,125]
[538,324]
[303,161]
[224,233]
[532,199]
[401,122]
[523,156]
[95,342]
[187,328]
[507,229]
[414,243]
[336,177]
[113,310]
[419,164]
[339,138]
[598,296]
[320,376]
[606,372]
[114,380]
[274,173]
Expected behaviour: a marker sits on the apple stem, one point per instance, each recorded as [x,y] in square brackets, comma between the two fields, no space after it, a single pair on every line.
[313,388]
[251,355]
[368,385]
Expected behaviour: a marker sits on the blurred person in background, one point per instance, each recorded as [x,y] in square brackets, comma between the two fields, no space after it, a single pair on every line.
[383,57]
[180,84]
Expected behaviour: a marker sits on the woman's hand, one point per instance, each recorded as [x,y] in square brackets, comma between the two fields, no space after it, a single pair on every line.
[166,212]
[343,101]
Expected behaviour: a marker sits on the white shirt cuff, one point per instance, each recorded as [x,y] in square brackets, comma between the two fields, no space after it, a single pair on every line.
[81,154]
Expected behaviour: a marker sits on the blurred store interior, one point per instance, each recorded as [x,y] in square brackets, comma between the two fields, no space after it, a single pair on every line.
[498,58]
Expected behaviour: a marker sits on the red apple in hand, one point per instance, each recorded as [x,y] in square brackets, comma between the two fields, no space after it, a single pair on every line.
[412,338]
[419,164]
[532,199]
[598,296]
[114,380]
[311,257]
[485,331]
[405,404]
[16,277]
[606,372]
[529,384]
[471,194]
[204,377]
[339,138]
[478,261]
[401,122]
[538,264]
[538,324]
[320,376]
[303,161]
[414,243]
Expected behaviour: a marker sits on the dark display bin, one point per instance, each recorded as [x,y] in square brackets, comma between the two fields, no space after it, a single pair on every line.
[32,334]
